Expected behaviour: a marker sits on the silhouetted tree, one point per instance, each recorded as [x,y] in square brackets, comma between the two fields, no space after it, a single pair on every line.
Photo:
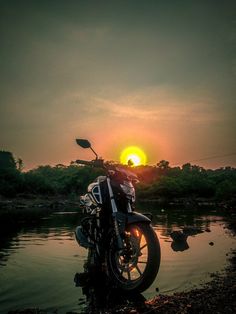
[161,181]
[163,164]
[7,160]
[10,178]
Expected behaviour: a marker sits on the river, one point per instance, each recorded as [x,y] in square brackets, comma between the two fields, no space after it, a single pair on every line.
[38,264]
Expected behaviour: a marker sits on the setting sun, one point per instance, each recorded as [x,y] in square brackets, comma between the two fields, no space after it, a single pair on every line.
[133,154]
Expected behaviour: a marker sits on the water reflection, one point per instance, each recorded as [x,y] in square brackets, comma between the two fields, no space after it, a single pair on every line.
[58,226]
[179,238]
[170,217]
[179,243]
[6,249]
[101,295]
[44,259]
[179,246]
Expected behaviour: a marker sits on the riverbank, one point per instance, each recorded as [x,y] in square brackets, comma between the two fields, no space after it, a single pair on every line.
[27,211]
[218,296]
[23,201]
[38,201]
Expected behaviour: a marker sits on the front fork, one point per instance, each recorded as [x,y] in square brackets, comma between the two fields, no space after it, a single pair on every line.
[120,220]
[115,215]
[116,222]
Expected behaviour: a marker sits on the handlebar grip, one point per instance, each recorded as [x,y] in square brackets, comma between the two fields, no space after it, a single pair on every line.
[98,163]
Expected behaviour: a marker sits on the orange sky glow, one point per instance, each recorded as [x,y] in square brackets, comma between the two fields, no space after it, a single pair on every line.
[155,75]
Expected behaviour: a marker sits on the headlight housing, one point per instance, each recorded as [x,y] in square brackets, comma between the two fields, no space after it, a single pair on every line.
[128,188]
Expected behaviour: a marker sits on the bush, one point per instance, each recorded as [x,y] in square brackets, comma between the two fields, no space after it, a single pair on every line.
[10,182]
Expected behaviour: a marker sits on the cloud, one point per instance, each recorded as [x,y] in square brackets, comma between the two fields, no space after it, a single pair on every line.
[160,104]
[117,73]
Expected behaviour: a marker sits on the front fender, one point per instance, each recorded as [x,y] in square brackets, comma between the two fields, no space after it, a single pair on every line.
[130,218]
[135,217]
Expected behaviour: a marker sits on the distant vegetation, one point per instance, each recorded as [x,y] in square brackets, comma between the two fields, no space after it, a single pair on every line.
[156,182]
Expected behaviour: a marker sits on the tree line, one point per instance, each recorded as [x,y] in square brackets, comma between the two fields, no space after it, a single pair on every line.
[159,181]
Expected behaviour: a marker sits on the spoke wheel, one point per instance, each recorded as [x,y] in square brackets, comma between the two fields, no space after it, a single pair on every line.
[135,267]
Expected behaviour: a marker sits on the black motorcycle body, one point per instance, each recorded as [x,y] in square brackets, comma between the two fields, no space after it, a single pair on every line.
[117,237]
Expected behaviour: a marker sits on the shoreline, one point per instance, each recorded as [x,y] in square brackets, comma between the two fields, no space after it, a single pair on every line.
[62,201]
[217,296]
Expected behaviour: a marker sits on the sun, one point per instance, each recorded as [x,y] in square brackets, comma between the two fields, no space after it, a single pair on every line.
[133,155]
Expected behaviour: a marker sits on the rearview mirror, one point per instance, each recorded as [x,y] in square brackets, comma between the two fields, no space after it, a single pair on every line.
[83,143]
[86,144]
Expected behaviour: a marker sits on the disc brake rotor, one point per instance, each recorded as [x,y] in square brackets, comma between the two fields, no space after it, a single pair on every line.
[128,258]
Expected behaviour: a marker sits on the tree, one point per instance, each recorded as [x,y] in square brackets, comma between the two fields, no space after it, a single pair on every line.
[7,160]
[163,164]
[10,176]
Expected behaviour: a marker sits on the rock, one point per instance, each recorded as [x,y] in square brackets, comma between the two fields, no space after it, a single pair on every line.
[211,243]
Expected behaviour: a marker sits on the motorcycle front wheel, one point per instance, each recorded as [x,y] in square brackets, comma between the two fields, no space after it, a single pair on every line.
[135,267]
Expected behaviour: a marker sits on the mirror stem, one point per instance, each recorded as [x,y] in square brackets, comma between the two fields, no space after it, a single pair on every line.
[94,152]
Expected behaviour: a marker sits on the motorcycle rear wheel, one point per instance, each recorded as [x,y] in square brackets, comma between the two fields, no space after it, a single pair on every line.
[135,268]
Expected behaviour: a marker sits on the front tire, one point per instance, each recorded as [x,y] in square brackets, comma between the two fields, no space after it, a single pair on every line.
[135,267]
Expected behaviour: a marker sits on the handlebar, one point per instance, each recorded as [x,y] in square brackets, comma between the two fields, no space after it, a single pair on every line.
[99,163]
[94,163]
[84,162]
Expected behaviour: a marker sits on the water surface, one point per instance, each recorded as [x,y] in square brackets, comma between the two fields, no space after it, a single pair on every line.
[37,265]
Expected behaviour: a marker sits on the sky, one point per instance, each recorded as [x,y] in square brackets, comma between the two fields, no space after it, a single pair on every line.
[159,75]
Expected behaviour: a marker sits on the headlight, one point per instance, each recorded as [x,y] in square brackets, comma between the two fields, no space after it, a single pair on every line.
[128,189]
[86,203]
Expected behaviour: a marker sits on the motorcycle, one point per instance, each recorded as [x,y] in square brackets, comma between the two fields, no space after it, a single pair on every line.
[118,239]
